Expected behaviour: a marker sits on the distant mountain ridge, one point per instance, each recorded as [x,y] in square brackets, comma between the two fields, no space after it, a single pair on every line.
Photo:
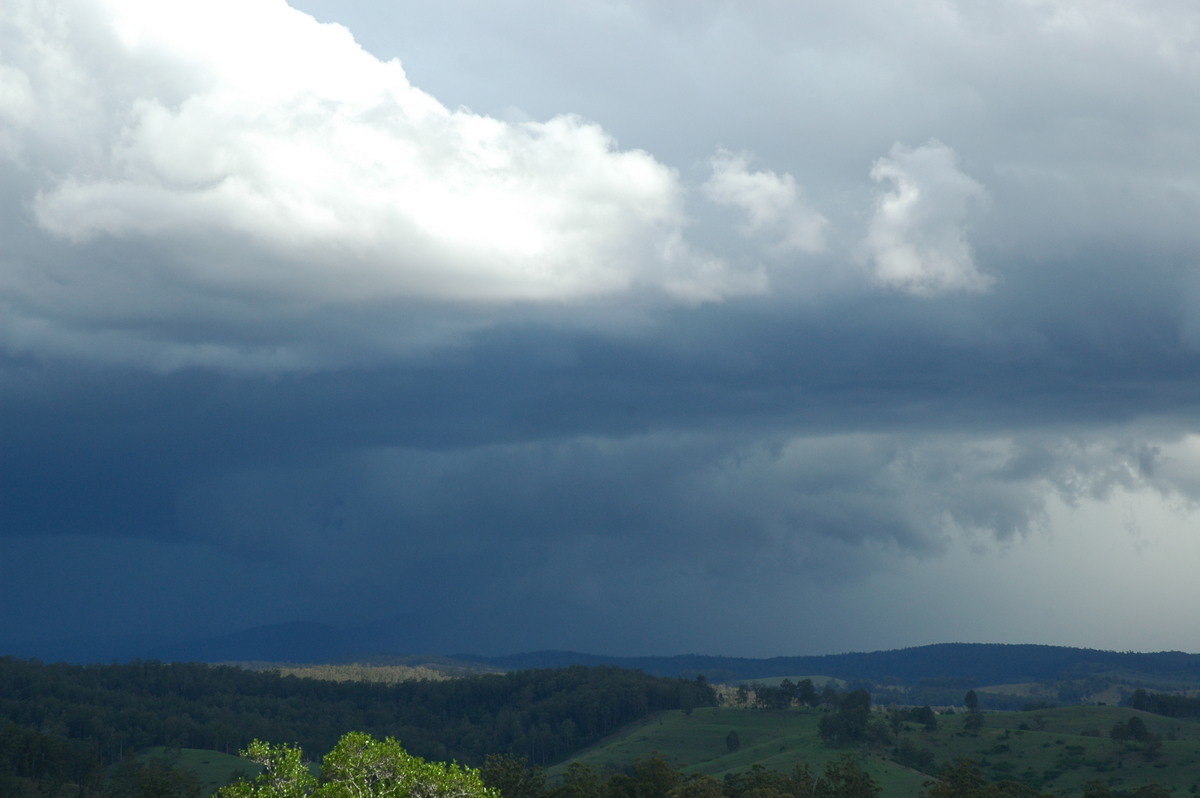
[973,663]
[977,663]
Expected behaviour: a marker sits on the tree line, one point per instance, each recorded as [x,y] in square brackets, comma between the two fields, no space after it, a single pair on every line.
[1169,704]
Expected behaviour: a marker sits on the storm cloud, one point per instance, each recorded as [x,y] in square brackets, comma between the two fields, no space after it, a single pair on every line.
[626,327]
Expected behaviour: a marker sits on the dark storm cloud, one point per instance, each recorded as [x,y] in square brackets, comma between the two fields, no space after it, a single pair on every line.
[286,337]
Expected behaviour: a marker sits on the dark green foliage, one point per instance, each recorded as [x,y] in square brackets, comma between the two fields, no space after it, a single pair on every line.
[974,721]
[68,721]
[1135,730]
[580,781]
[158,778]
[1132,729]
[1098,789]
[653,777]
[47,756]
[513,776]
[759,782]
[922,715]
[851,722]
[842,777]
[1169,704]
[806,693]
[698,786]
[962,778]
[913,756]
[780,697]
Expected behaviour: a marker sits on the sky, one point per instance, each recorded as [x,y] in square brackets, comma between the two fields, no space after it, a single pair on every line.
[625,327]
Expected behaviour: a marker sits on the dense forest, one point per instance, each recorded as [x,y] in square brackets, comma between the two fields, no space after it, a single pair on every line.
[70,721]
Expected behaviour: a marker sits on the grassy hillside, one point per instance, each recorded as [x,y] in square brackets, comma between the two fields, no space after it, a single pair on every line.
[213,769]
[1055,750]
[778,740]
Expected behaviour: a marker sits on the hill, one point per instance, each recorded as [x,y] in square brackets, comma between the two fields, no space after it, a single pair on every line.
[963,664]
[947,664]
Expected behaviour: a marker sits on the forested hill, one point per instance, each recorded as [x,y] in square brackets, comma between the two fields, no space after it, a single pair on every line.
[80,714]
[969,663]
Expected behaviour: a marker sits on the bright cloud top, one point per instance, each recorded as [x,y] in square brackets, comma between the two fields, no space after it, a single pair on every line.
[918,236]
[261,137]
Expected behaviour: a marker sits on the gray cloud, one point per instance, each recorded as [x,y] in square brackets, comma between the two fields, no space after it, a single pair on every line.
[505,330]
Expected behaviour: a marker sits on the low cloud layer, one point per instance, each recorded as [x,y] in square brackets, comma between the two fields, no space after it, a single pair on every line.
[448,319]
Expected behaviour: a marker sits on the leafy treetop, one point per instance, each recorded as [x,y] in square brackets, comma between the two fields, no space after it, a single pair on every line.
[359,766]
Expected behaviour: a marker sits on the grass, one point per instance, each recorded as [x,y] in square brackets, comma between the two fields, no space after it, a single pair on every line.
[1053,750]
[213,768]
[696,743]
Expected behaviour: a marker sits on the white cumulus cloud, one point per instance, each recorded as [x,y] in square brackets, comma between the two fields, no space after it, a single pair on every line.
[918,235]
[773,205]
[237,150]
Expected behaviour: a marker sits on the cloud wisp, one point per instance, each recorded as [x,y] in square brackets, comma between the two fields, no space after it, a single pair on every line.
[773,206]
[918,237]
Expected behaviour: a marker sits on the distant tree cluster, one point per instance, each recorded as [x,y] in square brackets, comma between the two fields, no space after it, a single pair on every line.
[1132,729]
[1168,704]
[786,694]
[1135,730]
[925,716]
[851,721]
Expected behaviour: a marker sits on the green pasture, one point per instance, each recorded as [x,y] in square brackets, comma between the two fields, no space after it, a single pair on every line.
[213,768]
[696,743]
[1053,750]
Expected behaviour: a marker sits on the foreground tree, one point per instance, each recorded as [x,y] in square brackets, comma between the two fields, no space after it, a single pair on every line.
[513,776]
[158,778]
[359,766]
[845,777]
[962,778]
